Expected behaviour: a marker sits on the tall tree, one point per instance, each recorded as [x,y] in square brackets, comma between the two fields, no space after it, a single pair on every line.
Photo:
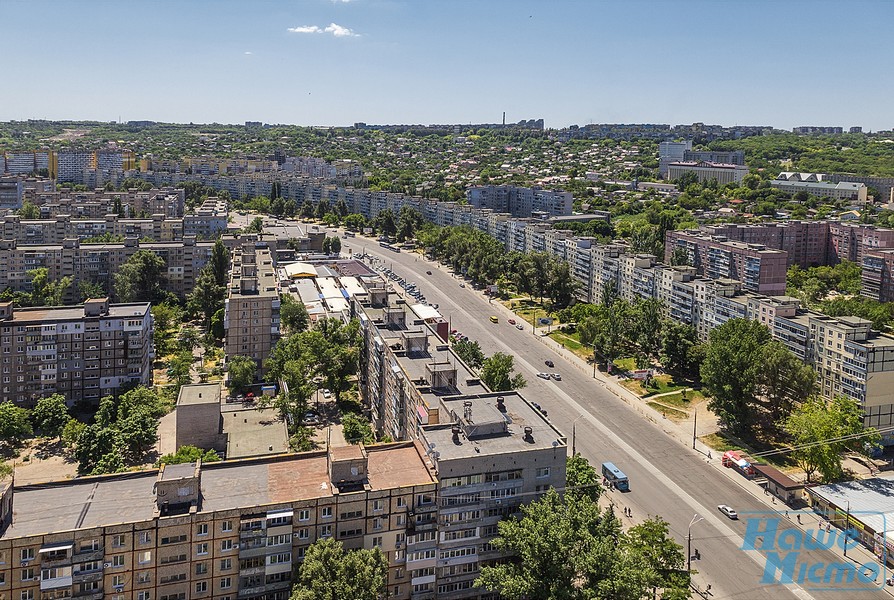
[14,425]
[220,262]
[293,314]
[45,292]
[329,572]
[731,371]
[50,415]
[242,370]
[207,296]
[582,478]
[497,373]
[784,380]
[470,352]
[817,428]
[677,341]
[141,278]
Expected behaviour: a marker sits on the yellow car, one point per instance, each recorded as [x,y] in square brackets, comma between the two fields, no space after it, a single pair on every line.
[494,319]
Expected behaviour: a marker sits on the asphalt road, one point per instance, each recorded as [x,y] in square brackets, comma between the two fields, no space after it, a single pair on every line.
[666,477]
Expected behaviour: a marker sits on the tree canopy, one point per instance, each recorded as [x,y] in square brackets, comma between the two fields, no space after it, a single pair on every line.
[141,278]
[329,572]
[497,373]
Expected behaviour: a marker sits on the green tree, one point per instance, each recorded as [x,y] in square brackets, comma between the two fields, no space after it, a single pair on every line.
[408,221]
[141,278]
[293,314]
[354,222]
[242,370]
[90,289]
[29,210]
[50,415]
[71,432]
[188,454]
[356,429]
[384,223]
[470,352]
[256,225]
[582,478]
[94,443]
[45,292]
[307,209]
[14,425]
[677,341]
[167,318]
[661,560]
[180,368]
[207,296]
[817,428]
[497,373]
[731,371]
[329,572]
[220,262]
[785,381]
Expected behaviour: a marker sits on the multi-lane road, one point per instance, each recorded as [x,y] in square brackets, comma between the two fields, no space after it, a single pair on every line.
[667,478]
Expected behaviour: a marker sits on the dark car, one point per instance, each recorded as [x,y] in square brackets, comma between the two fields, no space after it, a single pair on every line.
[428,272]
[549,363]
[538,407]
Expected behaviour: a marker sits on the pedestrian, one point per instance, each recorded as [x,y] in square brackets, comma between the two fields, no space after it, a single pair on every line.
[786,515]
[799,518]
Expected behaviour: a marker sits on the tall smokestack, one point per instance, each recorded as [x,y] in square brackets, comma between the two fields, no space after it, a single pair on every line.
[504,118]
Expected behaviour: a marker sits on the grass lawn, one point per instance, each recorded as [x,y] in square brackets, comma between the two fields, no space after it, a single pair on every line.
[571,342]
[676,399]
[676,415]
[526,309]
[661,384]
[721,442]
[625,364]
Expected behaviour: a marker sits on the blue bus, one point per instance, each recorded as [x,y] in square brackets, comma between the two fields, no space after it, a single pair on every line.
[615,477]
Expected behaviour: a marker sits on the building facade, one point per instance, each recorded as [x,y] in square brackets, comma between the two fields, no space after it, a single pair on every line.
[82,352]
[708,171]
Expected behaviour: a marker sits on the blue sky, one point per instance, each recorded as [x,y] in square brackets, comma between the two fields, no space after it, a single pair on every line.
[334,62]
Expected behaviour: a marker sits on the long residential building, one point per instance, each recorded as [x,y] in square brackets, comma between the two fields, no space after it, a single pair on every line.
[98,263]
[492,451]
[708,171]
[167,201]
[228,530]
[520,201]
[82,352]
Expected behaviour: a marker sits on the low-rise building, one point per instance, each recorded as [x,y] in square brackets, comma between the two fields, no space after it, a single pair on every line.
[707,171]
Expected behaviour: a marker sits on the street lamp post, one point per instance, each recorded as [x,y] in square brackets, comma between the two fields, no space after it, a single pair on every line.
[594,360]
[847,525]
[695,519]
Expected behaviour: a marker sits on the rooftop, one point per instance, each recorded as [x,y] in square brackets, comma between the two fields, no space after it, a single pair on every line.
[60,507]
[74,313]
[199,393]
[254,432]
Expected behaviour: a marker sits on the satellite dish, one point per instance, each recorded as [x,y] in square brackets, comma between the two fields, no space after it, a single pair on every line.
[354,471]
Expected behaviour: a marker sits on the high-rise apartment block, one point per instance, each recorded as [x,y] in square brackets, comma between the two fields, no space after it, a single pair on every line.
[82,352]
[251,312]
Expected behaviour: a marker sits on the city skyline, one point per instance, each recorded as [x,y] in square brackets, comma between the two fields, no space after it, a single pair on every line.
[317,62]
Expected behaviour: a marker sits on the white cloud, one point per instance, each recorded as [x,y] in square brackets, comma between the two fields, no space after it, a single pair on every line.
[339,31]
[341,1]
[248,53]
[333,28]
[305,29]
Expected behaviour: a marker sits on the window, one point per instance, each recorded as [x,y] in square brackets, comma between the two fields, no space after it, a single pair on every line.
[226,545]
[327,512]
[226,564]
[144,577]
[145,537]
[226,526]
[303,533]
[304,515]
[118,541]
[275,559]
[118,560]
[201,586]
[202,529]
[201,568]
[27,595]
[202,548]
[378,505]
[277,540]
[28,574]
[401,502]
[90,546]
[377,523]
[377,541]
[326,531]
[144,596]
[174,539]
[27,554]
[543,472]
[225,582]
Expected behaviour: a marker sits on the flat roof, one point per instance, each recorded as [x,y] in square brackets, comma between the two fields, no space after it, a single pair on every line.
[254,432]
[199,393]
[869,500]
[73,313]
[518,415]
[59,507]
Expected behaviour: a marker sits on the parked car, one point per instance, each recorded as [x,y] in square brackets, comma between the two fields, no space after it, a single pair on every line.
[538,407]
[549,364]
[326,393]
[556,376]
[519,326]
[462,285]
[311,418]
[428,272]
[512,321]
[543,375]
[728,511]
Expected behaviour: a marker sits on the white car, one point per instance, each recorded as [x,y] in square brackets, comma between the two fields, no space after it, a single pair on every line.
[543,375]
[728,511]
[326,393]
[556,376]
[519,326]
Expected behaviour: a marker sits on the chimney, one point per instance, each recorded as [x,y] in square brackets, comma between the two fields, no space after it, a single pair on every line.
[455,431]
[529,437]
[501,405]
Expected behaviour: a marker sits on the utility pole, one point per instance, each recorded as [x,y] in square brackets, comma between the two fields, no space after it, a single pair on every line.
[847,526]
[695,519]
[694,421]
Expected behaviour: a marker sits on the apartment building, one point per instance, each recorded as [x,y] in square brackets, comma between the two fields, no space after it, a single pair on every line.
[877,275]
[11,193]
[707,171]
[82,352]
[26,163]
[519,201]
[98,263]
[492,451]
[169,201]
[92,168]
[731,157]
[230,530]
[759,268]
[251,311]
[807,243]
[669,152]
[856,193]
